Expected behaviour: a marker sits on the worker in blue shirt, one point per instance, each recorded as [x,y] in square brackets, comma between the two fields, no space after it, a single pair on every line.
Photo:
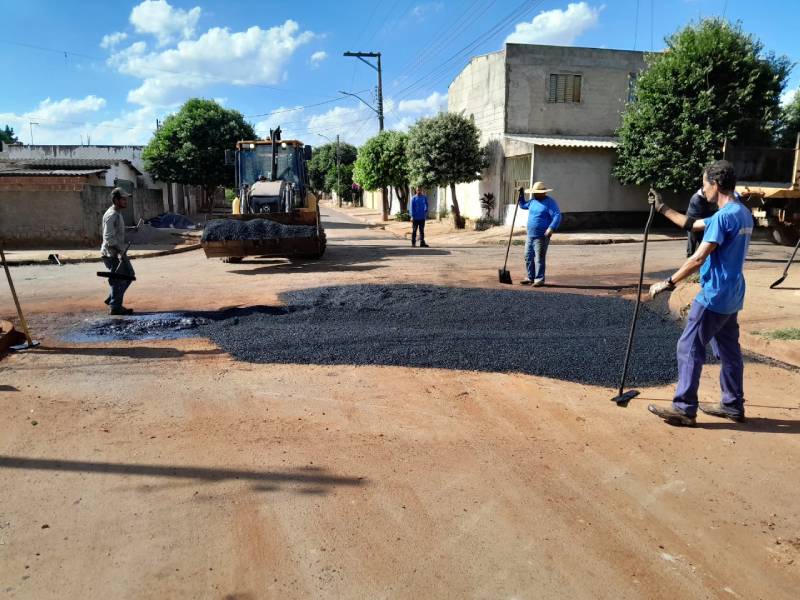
[419,212]
[544,217]
[720,260]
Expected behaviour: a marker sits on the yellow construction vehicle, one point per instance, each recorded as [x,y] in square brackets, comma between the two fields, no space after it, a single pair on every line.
[769,183]
[275,213]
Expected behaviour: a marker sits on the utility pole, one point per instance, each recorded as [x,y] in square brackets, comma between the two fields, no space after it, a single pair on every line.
[338,183]
[362,56]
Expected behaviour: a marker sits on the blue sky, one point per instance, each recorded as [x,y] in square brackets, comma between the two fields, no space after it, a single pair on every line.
[106,70]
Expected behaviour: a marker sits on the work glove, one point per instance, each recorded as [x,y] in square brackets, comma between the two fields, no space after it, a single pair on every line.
[661,286]
[521,197]
[654,198]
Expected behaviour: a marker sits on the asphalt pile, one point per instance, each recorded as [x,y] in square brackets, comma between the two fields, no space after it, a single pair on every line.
[563,336]
[138,327]
[227,230]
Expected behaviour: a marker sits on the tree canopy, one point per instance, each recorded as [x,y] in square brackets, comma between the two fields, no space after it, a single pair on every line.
[445,150]
[322,170]
[714,82]
[382,162]
[190,145]
[7,135]
[790,123]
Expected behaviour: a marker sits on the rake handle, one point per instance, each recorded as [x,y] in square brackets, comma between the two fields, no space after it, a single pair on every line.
[511,233]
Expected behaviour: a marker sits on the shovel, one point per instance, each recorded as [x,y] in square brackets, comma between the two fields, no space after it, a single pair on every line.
[786,270]
[119,276]
[503,275]
[622,398]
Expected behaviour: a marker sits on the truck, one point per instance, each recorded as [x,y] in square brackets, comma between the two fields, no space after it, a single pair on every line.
[769,184]
[274,213]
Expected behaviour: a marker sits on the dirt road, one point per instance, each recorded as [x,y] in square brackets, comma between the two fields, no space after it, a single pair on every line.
[166,469]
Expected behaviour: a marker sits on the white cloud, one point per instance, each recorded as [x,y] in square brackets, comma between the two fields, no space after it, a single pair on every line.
[160,19]
[255,56]
[421,11]
[433,104]
[62,122]
[354,124]
[788,96]
[318,57]
[112,39]
[557,27]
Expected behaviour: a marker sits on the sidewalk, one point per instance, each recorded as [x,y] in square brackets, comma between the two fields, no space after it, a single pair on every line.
[443,234]
[148,242]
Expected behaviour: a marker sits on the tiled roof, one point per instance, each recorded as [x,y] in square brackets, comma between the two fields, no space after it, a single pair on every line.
[566,141]
[50,172]
[66,163]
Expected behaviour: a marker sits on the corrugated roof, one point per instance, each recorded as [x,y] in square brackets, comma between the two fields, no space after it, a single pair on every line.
[68,163]
[566,141]
[50,172]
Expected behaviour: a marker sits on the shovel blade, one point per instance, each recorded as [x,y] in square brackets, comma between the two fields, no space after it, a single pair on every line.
[623,399]
[777,282]
[504,276]
[122,276]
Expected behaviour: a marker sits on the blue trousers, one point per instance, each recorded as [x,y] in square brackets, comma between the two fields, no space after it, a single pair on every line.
[118,286]
[535,255]
[703,326]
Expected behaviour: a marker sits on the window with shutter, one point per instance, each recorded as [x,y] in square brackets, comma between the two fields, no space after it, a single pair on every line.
[564,87]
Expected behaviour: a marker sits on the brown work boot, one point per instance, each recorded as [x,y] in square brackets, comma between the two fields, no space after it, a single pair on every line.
[719,410]
[671,415]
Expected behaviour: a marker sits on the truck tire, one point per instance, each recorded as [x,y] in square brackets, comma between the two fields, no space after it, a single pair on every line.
[323,244]
[784,235]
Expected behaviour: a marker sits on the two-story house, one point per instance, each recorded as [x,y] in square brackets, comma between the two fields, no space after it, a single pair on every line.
[549,113]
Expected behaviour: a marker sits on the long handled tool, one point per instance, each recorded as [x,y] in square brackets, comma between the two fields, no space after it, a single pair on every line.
[786,269]
[29,343]
[113,273]
[622,398]
[503,274]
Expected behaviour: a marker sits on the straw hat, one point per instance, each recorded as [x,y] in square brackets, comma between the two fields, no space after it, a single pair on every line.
[539,188]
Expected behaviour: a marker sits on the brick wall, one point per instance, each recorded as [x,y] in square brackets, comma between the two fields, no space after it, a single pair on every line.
[42,184]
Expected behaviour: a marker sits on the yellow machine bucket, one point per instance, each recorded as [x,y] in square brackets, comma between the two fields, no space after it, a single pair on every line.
[284,235]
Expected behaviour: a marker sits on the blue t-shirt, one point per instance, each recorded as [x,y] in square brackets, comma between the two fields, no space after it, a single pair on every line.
[542,214]
[419,207]
[721,277]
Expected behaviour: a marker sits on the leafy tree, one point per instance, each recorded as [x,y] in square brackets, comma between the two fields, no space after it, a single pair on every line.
[713,82]
[190,145]
[322,171]
[445,150]
[382,163]
[7,135]
[790,123]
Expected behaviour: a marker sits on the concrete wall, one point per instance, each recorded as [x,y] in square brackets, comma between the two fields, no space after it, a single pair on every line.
[479,91]
[605,79]
[63,211]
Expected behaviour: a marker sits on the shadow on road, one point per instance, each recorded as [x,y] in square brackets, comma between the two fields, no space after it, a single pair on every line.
[756,425]
[8,388]
[337,258]
[143,352]
[315,480]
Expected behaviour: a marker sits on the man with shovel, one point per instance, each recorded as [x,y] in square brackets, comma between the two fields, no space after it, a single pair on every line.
[113,251]
[720,260]
[544,217]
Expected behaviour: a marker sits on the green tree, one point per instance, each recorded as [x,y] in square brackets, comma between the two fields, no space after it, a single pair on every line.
[190,146]
[445,150]
[790,123]
[7,135]
[322,170]
[713,83]
[382,162]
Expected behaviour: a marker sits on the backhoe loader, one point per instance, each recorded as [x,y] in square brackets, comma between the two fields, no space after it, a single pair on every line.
[274,214]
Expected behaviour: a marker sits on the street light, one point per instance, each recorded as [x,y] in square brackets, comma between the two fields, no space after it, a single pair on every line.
[368,105]
[31,124]
[338,194]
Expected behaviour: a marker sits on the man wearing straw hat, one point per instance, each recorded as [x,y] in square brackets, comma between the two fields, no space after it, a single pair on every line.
[544,217]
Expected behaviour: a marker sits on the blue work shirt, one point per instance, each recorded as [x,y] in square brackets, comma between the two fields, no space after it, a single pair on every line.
[542,215]
[721,276]
[419,207]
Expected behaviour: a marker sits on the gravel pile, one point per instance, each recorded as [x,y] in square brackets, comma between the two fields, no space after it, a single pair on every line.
[220,230]
[563,336]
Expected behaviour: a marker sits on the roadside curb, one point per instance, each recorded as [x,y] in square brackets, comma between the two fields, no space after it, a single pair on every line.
[24,262]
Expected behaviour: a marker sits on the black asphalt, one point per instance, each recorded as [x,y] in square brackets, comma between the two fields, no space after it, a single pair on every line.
[563,336]
[255,229]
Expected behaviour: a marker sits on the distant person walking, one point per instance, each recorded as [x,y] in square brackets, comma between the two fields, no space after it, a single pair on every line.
[714,313]
[419,212]
[544,217]
[112,249]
